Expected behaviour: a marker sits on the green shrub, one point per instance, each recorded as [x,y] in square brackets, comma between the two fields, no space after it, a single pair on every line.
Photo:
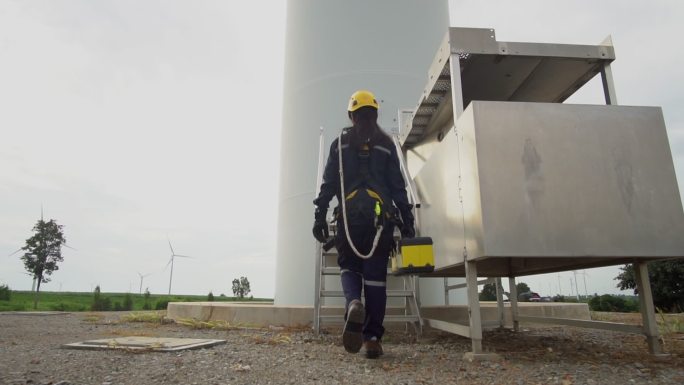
[62,306]
[210,297]
[613,303]
[127,302]
[100,303]
[9,306]
[104,304]
[59,306]
[146,303]
[5,293]
[161,304]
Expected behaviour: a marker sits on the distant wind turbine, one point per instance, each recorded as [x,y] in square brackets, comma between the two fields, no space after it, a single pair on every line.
[142,276]
[173,255]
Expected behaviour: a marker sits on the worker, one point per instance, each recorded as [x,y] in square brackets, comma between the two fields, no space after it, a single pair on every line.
[375,201]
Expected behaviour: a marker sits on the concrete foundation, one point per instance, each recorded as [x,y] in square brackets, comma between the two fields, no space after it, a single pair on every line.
[263,315]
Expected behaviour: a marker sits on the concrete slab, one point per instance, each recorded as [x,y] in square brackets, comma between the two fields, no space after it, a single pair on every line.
[34,313]
[264,315]
[156,344]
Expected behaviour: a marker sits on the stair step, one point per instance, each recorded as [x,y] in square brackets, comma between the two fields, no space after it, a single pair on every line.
[388,318]
[336,271]
[390,293]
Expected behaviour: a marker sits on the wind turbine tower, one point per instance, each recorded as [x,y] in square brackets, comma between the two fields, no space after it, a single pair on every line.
[333,48]
[142,276]
[173,255]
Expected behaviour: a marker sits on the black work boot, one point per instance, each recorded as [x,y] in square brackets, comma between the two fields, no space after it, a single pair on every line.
[373,348]
[352,336]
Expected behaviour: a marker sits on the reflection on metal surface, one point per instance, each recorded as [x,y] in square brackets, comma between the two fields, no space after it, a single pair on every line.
[623,174]
[534,180]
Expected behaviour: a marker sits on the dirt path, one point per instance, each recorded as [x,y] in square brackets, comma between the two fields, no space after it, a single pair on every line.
[30,353]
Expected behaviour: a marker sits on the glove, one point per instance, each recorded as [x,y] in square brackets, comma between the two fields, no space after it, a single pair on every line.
[408,231]
[320,227]
[407,228]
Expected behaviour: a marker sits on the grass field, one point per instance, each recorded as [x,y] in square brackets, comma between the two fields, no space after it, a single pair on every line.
[68,301]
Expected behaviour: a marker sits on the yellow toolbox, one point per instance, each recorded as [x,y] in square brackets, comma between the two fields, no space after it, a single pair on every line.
[414,256]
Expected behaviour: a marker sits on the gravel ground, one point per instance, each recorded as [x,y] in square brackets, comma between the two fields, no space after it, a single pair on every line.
[30,353]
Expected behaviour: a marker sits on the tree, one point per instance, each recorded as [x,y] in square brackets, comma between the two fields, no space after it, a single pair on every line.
[667,283]
[522,287]
[43,251]
[146,304]
[100,303]
[241,287]
[5,293]
[127,302]
[488,292]
[613,303]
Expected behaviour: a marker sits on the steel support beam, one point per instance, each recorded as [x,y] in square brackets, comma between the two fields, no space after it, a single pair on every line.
[608,85]
[499,303]
[474,307]
[456,87]
[513,296]
[650,327]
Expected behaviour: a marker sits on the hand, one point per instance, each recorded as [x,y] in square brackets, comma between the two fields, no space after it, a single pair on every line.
[408,231]
[320,227]
[407,228]
[320,231]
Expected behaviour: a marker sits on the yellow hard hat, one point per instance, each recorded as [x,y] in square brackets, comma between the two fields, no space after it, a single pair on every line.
[362,98]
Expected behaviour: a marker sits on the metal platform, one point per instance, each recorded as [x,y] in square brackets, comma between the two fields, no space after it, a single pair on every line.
[512,182]
[500,71]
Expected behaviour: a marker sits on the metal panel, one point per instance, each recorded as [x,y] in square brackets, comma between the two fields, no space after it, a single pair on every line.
[576,180]
[526,188]
[441,210]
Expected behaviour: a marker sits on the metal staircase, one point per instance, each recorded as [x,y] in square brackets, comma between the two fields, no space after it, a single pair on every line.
[326,265]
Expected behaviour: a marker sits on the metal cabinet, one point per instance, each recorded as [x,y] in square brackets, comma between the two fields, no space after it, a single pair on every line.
[513,182]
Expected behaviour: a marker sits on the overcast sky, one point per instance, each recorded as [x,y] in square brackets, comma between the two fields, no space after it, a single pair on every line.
[134,121]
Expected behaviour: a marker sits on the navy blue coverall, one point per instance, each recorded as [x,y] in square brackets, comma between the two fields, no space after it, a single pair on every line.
[371,274]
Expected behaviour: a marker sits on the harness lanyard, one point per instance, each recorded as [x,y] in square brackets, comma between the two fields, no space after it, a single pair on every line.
[344,209]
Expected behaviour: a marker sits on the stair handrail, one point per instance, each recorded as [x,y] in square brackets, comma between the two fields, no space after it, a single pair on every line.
[410,185]
[318,246]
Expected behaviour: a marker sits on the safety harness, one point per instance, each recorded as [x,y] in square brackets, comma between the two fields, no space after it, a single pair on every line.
[363,188]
